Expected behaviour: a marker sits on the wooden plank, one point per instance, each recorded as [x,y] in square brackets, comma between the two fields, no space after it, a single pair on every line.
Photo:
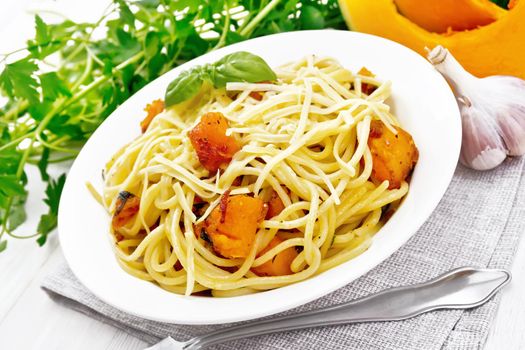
[20,263]
[508,329]
[37,322]
[56,327]
[30,320]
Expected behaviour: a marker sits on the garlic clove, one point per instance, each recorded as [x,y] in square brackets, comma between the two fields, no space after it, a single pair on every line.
[509,109]
[492,112]
[481,147]
[512,126]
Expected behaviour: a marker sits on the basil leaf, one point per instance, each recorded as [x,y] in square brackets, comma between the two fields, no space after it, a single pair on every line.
[184,87]
[240,66]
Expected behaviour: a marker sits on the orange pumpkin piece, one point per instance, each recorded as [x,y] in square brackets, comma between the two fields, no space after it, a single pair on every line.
[126,208]
[493,44]
[365,87]
[153,109]
[231,226]
[444,15]
[214,149]
[279,265]
[365,72]
[275,206]
[393,155]
[256,95]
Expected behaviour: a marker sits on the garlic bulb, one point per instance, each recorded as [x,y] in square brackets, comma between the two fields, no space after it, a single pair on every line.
[492,112]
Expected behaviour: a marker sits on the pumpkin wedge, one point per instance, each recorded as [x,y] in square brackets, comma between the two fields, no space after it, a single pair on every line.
[450,15]
[489,47]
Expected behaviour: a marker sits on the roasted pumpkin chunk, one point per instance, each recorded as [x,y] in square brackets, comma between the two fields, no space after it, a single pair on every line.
[126,208]
[365,87]
[279,265]
[232,225]
[153,109]
[214,149]
[275,205]
[393,155]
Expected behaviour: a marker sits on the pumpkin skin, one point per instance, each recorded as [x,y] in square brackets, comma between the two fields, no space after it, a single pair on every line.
[497,48]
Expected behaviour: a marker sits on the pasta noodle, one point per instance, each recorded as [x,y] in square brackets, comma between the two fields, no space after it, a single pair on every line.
[305,141]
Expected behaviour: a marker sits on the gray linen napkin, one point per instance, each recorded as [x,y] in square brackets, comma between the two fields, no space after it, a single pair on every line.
[478,223]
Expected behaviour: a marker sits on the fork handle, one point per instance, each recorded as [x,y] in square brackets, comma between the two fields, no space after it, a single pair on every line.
[460,288]
[339,314]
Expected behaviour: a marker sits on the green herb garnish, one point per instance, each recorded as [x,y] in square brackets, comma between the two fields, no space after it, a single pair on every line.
[71,76]
[235,67]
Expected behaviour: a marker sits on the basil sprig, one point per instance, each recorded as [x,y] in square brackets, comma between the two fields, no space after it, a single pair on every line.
[236,67]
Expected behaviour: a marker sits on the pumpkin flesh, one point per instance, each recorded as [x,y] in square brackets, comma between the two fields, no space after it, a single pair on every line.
[492,49]
[444,16]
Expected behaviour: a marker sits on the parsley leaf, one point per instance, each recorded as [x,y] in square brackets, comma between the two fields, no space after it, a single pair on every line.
[17,80]
[42,164]
[152,4]
[126,16]
[139,40]
[46,224]
[42,30]
[46,41]
[49,221]
[10,186]
[53,86]
[12,189]
[18,213]
[9,158]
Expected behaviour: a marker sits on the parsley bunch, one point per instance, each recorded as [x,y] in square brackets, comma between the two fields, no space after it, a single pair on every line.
[71,78]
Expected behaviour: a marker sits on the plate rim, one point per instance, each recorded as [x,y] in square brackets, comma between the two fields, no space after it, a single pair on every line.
[446,175]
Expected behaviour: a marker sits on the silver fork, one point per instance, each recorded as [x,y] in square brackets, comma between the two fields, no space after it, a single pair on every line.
[461,288]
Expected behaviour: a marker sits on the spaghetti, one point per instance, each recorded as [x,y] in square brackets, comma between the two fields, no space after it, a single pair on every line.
[304,141]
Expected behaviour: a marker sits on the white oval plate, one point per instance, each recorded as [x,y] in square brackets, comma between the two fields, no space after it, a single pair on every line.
[422,101]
